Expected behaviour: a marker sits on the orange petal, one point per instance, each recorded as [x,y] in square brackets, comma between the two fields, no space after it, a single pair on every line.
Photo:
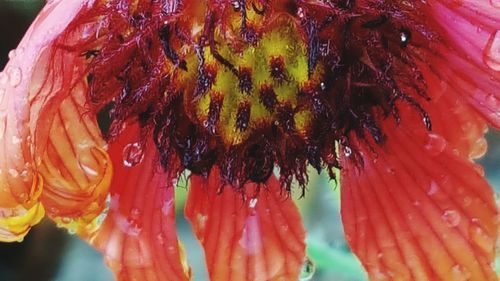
[417,211]
[76,170]
[138,237]
[256,239]
[19,111]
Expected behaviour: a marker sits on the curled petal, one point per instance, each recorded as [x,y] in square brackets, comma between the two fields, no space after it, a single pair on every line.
[20,107]
[138,237]
[76,170]
[257,239]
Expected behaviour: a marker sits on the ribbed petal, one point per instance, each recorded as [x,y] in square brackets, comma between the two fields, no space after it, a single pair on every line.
[254,239]
[138,236]
[75,168]
[469,58]
[20,108]
[418,211]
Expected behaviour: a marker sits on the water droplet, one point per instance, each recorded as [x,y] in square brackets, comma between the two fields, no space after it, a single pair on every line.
[479,148]
[308,270]
[12,54]
[492,51]
[135,213]
[433,188]
[23,197]
[300,12]
[347,151]
[132,154]
[451,217]
[16,139]
[16,76]
[482,239]
[66,220]
[435,144]
[87,169]
[4,78]
[13,173]
[161,238]
[460,273]
[252,203]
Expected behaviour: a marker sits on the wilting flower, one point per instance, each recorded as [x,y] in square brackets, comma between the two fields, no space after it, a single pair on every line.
[104,103]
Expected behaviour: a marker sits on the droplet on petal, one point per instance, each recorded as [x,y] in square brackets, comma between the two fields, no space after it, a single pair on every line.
[435,144]
[308,270]
[132,154]
[16,76]
[481,238]
[479,149]
[433,188]
[492,51]
[451,217]
[4,78]
[252,203]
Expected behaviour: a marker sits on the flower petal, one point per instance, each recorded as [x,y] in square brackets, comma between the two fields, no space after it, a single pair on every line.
[20,108]
[260,239]
[138,237]
[472,66]
[76,170]
[417,211]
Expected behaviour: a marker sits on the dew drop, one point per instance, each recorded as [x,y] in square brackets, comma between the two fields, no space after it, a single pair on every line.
[308,270]
[479,149]
[16,76]
[135,213]
[132,154]
[347,151]
[160,237]
[451,217]
[23,197]
[4,78]
[12,54]
[433,188]
[13,173]
[87,169]
[460,273]
[66,220]
[435,144]
[492,50]
[252,203]
[16,140]
[484,241]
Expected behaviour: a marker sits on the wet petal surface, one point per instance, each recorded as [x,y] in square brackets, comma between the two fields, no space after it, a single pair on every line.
[260,238]
[20,106]
[138,237]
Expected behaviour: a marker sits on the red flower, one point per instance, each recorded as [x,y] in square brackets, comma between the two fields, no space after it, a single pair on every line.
[114,99]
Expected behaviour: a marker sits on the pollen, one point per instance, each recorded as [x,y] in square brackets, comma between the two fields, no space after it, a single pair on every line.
[249,82]
[250,85]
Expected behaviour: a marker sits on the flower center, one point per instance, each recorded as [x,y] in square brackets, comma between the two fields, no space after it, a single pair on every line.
[238,90]
[248,85]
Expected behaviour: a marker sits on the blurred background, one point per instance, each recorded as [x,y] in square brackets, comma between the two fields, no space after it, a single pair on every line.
[51,254]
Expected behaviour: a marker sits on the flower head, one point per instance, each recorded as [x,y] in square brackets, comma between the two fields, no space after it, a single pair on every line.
[111,100]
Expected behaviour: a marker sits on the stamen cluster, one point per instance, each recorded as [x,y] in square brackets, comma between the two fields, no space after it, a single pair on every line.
[250,85]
